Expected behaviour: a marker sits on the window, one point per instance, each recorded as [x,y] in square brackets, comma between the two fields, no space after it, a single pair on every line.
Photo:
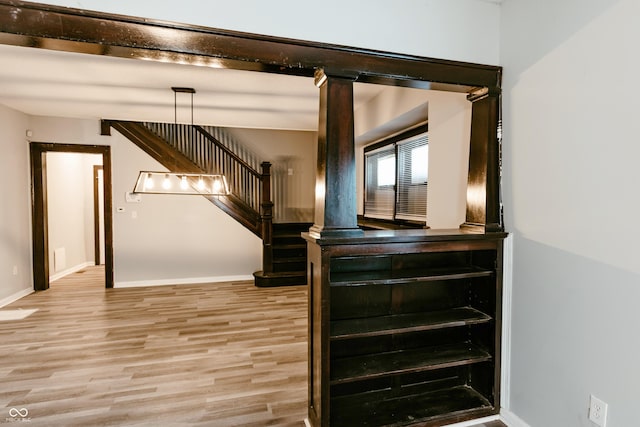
[380,168]
[396,175]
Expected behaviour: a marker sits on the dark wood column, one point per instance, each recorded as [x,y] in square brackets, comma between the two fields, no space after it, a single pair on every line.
[336,204]
[484,211]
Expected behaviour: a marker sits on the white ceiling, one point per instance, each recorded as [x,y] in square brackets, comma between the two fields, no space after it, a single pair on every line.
[61,84]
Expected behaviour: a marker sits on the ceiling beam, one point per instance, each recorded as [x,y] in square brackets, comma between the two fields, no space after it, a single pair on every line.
[74,30]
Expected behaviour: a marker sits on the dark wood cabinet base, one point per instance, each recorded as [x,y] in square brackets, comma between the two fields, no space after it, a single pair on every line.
[404,328]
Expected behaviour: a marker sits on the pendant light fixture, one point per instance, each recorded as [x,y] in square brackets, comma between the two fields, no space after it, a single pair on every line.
[150,182]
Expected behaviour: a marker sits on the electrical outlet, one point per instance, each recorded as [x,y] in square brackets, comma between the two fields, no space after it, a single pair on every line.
[597,411]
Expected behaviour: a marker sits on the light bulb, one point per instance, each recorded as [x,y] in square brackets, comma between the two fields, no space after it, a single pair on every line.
[216,186]
[184,185]
[148,182]
[166,184]
[200,184]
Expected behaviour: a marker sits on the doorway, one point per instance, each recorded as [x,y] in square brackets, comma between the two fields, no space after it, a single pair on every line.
[41,263]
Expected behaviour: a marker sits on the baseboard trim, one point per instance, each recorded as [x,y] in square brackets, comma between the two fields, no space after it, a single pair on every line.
[71,270]
[182,281]
[15,297]
[474,422]
[507,291]
[511,419]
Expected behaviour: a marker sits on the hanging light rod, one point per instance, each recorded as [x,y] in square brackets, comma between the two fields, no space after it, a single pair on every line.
[181,183]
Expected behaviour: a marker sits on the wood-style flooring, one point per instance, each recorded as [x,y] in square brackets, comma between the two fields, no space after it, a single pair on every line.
[222,354]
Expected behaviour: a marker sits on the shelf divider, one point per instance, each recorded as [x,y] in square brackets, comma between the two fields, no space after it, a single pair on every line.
[386,277]
[378,365]
[402,323]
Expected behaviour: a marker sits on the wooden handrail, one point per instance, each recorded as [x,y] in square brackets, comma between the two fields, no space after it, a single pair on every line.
[226,150]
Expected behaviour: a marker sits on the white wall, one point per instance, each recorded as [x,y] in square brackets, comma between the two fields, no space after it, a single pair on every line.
[449,133]
[571,200]
[70,209]
[463,30]
[15,207]
[172,238]
[449,116]
[293,174]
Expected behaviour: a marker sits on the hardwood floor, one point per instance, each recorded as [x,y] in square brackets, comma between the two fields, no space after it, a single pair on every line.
[224,354]
[221,355]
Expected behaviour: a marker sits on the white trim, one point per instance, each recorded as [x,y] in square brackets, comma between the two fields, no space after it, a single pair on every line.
[15,297]
[511,419]
[507,291]
[307,423]
[475,422]
[181,281]
[71,270]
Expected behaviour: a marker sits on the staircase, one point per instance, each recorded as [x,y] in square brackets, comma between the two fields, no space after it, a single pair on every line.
[193,149]
[289,257]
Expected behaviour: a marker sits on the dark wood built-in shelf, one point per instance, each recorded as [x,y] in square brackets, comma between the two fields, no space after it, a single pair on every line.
[404,323]
[361,278]
[377,365]
[404,328]
[389,409]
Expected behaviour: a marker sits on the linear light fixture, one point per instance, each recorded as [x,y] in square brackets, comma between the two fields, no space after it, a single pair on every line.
[202,184]
[181,183]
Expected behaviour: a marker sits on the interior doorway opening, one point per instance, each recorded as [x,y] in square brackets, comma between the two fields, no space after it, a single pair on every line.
[49,254]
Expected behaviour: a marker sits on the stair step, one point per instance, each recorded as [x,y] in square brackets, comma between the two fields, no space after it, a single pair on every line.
[291,268]
[288,233]
[289,245]
[294,226]
[288,240]
[279,279]
[291,259]
[288,254]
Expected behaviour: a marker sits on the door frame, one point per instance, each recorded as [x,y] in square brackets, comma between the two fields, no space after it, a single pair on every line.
[97,236]
[37,154]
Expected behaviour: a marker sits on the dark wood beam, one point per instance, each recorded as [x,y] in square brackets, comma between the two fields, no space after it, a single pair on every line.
[74,30]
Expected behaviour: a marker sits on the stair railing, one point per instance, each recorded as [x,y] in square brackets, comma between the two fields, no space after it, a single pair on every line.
[212,156]
[247,184]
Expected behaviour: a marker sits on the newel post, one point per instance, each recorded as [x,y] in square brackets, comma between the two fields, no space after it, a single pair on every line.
[336,203]
[266,217]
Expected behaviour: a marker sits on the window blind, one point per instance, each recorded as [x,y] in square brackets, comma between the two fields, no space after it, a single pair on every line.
[380,175]
[413,172]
